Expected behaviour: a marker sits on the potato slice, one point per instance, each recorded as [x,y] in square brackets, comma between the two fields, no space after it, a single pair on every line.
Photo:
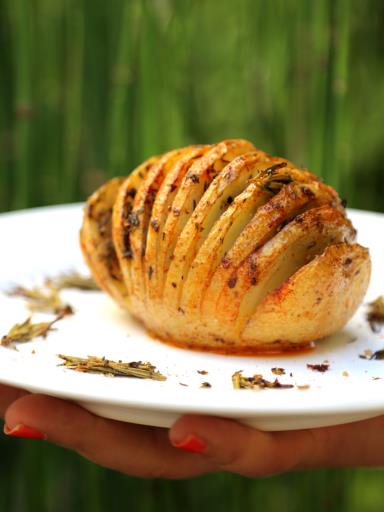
[153,273]
[268,267]
[220,239]
[142,209]
[292,199]
[313,303]
[96,241]
[220,194]
[124,222]
[189,194]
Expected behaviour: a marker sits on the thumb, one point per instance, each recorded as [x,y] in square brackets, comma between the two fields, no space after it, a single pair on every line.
[231,446]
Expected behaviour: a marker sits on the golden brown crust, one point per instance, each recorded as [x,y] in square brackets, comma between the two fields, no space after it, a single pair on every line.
[96,241]
[289,201]
[189,194]
[223,189]
[153,273]
[274,262]
[226,248]
[124,220]
[142,209]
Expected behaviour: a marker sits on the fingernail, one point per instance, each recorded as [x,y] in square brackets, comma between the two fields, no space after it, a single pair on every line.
[24,431]
[191,444]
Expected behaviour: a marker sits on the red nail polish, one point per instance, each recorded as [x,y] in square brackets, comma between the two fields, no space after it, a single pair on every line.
[191,444]
[24,431]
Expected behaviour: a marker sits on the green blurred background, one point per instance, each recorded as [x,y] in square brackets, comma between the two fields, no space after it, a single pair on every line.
[89,88]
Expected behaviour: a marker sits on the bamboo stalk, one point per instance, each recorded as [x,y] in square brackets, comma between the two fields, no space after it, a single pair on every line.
[6,93]
[45,155]
[147,127]
[120,109]
[340,73]
[336,86]
[97,42]
[73,98]
[20,16]
[319,29]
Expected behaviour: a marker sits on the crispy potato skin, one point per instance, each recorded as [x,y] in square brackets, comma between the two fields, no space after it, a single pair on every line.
[96,241]
[226,248]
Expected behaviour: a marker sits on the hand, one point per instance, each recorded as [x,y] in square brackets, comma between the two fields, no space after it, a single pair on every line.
[219,444]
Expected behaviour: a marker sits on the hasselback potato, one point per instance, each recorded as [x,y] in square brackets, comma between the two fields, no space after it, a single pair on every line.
[224,247]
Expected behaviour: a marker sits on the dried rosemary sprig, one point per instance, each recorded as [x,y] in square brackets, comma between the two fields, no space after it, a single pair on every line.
[256,382]
[273,179]
[45,300]
[27,331]
[375,315]
[71,279]
[95,364]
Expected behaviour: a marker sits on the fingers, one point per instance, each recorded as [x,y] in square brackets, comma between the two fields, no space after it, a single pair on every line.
[359,444]
[132,449]
[218,444]
[231,446]
[8,395]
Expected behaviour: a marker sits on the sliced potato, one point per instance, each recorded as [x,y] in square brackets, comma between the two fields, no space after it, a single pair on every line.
[219,240]
[226,248]
[220,194]
[142,209]
[97,244]
[316,301]
[189,194]
[268,267]
[124,222]
[153,273]
[294,198]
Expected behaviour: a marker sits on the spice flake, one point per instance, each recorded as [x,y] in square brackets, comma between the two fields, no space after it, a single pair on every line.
[256,382]
[278,371]
[323,367]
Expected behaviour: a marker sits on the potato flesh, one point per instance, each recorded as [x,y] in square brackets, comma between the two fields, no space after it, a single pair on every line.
[160,211]
[292,199]
[190,193]
[228,184]
[272,264]
[316,301]
[142,209]
[219,240]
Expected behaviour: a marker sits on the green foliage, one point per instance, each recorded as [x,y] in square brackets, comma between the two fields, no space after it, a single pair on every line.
[90,88]
[36,476]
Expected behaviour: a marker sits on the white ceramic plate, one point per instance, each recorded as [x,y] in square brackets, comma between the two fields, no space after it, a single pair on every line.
[43,242]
